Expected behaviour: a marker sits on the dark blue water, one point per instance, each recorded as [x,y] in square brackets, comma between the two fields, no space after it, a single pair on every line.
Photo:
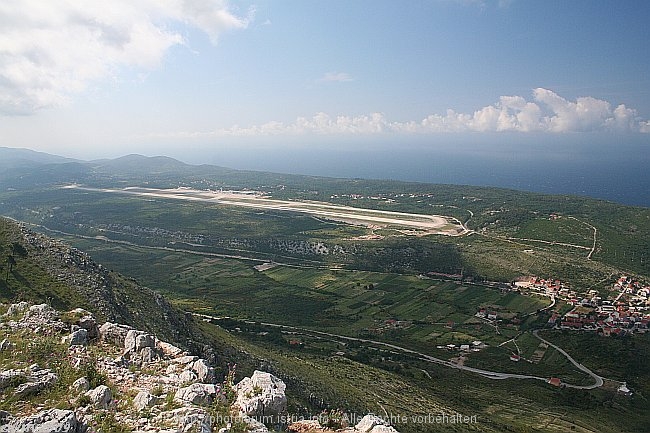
[607,167]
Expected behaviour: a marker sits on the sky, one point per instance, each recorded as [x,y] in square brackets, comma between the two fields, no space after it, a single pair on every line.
[196,79]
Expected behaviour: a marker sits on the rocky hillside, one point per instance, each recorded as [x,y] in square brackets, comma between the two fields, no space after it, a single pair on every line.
[66,372]
[49,270]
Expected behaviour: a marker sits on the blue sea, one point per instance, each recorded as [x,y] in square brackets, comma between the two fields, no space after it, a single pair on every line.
[612,167]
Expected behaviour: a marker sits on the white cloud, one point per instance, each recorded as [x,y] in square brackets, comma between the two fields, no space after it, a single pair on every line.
[336,77]
[548,112]
[51,50]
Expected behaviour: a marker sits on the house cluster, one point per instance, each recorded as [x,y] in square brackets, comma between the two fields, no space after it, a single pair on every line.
[634,292]
[475,346]
[628,313]
[547,287]
[484,313]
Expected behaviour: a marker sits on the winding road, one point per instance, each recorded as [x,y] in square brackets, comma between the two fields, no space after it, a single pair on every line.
[598,381]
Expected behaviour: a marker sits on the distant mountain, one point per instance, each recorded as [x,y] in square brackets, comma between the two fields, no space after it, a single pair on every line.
[17,158]
[138,164]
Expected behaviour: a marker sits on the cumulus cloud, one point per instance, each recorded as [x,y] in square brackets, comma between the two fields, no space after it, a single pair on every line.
[335,77]
[50,50]
[546,112]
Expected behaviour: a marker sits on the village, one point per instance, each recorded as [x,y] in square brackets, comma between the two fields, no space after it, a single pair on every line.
[626,313]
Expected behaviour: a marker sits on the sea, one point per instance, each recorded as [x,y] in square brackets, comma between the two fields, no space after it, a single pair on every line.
[606,167]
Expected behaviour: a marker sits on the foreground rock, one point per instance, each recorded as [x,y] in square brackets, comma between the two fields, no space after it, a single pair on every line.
[141,383]
[261,395]
[47,421]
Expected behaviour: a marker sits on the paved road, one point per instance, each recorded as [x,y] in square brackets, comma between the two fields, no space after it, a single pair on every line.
[598,381]
[424,357]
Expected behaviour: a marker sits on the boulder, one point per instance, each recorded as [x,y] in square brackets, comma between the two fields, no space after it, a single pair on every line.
[100,397]
[198,393]
[41,313]
[369,422]
[77,338]
[135,341]
[36,384]
[114,333]
[47,421]
[17,309]
[89,323]
[187,376]
[9,377]
[5,345]
[204,373]
[261,394]
[168,349]
[144,400]
[80,385]
[187,420]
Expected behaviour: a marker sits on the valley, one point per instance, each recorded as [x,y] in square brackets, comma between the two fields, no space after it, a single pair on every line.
[376,296]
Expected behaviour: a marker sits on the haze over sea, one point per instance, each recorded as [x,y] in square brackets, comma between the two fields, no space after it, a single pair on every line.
[607,167]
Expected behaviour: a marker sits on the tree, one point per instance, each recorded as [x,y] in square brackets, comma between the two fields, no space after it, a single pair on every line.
[19,250]
[11,261]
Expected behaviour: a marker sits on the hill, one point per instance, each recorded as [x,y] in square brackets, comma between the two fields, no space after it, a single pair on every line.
[47,270]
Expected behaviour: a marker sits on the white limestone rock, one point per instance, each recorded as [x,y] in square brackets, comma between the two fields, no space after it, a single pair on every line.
[145,400]
[187,359]
[100,397]
[204,373]
[114,333]
[261,394]
[17,309]
[187,376]
[41,314]
[136,340]
[187,419]
[47,421]
[374,424]
[9,376]
[80,385]
[168,349]
[198,393]
[77,338]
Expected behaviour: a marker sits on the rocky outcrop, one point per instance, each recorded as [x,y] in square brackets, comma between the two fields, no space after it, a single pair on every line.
[100,397]
[77,338]
[261,395]
[144,400]
[159,387]
[114,333]
[47,421]
[374,424]
[27,381]
[201,394]
[368,424]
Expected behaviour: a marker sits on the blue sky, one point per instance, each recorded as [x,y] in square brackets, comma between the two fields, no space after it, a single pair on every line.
[95,79]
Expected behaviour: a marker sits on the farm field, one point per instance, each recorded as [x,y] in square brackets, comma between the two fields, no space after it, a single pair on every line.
[417,313]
